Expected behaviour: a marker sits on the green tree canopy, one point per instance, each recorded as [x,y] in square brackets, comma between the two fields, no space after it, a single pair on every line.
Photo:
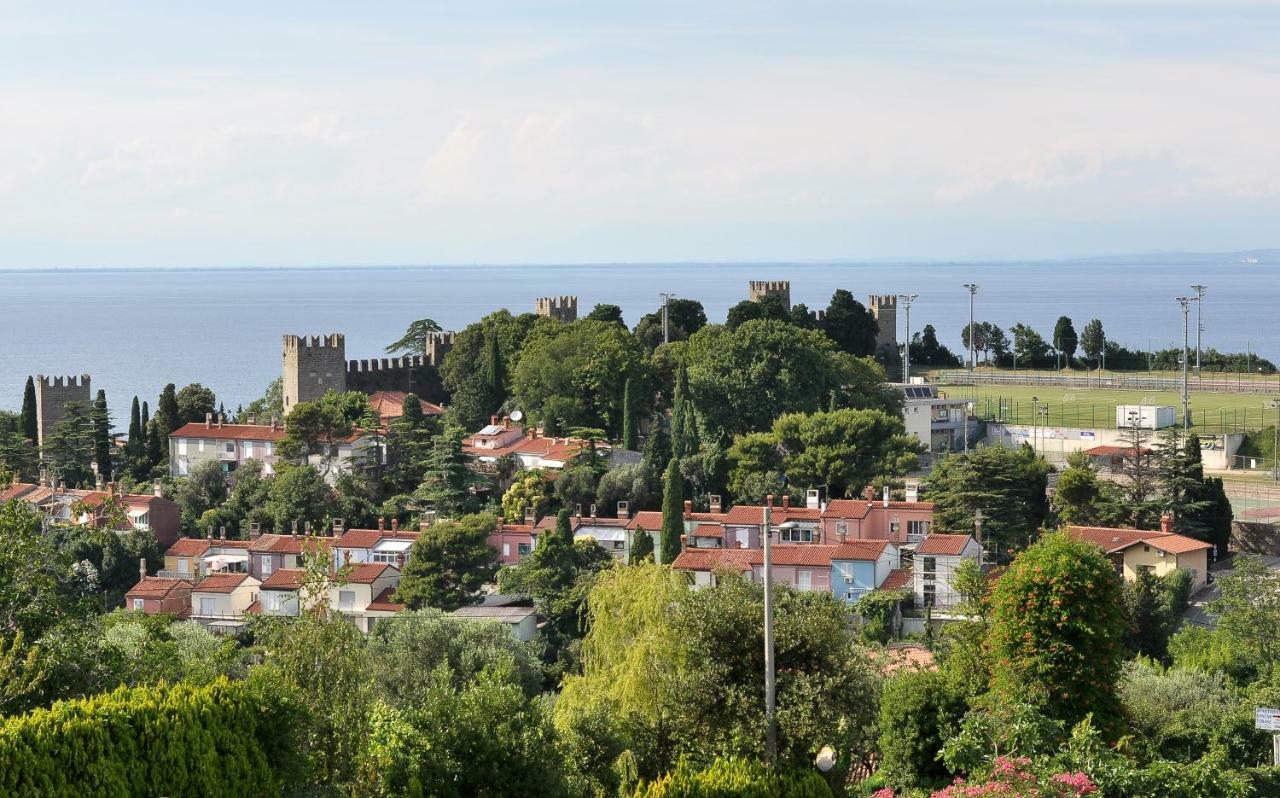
[449,563]
[851,325]
[1065,339]
[1007,485]
[684,318]
[471,400]
[194,402]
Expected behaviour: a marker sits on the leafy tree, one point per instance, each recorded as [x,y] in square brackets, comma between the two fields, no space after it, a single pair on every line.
[19,458]
[299,494]
[1057,631]
[1028,346]
[449,563]
[741,379]
[766,307]
[918,711]
[102,446]
[1064,338]
[756,463]
[414,340]
[195,402]
[1154,606]
[587,361]
[1007,485]
[725,778]
[448,483]
[409,441]
[576,488]
[1093,340]
[627,483]
[527,492]
[850,325]
[471,399]
[69,447]
[641,546]
[1248,608]
[1180,710]
[926,350]
[27,420]
[672,512]
[1080,494]
[844,449]
[684,318]
[266,407]
[317,428]
[607,313]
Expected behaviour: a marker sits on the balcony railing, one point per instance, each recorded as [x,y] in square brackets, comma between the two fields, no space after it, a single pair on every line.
[187,575]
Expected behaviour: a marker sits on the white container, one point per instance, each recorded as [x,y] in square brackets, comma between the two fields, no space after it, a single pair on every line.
[1146,416]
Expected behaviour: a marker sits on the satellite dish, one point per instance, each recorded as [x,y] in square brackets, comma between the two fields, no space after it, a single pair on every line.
[516,415]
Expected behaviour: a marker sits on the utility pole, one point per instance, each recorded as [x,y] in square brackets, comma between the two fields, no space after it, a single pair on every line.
[905,299]
[770,732]
[1185,302]
[973,289]
[1275,443]
[1199,289]
[666,327]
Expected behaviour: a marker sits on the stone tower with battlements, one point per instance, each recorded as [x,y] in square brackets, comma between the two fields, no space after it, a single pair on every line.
[759,289]
[52,395]
[313,365]
[437,347]
[884,307]
[561,308]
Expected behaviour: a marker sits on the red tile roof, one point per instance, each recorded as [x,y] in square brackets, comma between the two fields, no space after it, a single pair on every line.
[367,573]
[187,547]
[549,522]
[288,544]
[1111,539]
[384,603]
[368,538]
[515,529]
[796,554]
[649,520]
[708,531]
[897,579]
[220,583]
[861,508]
[943,544]
[754,514]
[16,490]
[156,587]
[713,559]
[283,579]
[255,608]
[390,404]
[1124,451]
[231,432]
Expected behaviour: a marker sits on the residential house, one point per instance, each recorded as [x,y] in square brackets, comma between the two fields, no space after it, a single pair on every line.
[521,622]
[365,597]
[1160,553]
[157,595]
[904,523]
[195,558]
[389,405]
[610,534]
[847,570]
[530,449]
[270,553]
[220,600]
[513,542]
[934,565]
[939,423]
[278,592]
[143,512]
[230,445]
[390,546]
[1110,459]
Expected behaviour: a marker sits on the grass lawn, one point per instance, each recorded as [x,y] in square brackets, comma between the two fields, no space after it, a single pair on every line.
[1095,407]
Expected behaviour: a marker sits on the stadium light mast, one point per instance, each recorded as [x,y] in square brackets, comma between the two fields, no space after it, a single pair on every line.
[905,299]
[1199,289]
[973,289]
[1185,302]
[666,327]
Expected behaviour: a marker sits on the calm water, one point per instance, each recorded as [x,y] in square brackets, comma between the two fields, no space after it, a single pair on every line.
[134,331]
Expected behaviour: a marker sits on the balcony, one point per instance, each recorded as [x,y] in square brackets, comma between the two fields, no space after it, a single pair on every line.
[187,575]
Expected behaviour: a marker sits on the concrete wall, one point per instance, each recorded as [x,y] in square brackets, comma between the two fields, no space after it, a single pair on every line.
[1055,443]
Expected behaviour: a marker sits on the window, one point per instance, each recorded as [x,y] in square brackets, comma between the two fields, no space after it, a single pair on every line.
[523,549]
[266,566]
[270,448]
[231,447]
[346,600]
[796,535]
[506,549]
[200,445]
[930,567]
[895,526]
[184,566]
[916,530]
[142,522]
[930,594]
[248,449]
[207,605]
[845,569]
[804,580]
[182,447]
[388,557]
[139,604]
[182,468]
[1146,548]
[842,528]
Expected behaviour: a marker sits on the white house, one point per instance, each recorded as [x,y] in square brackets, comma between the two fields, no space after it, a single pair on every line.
[220,600]
[935,563]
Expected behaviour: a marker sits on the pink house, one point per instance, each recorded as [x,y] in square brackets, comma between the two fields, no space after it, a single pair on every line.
[513,542]
[155,595]
[864,519]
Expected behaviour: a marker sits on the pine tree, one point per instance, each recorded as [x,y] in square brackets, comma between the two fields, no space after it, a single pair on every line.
[629,432]
[69,446]
[27,420]
[1180,472]
[672,512]
[101,418]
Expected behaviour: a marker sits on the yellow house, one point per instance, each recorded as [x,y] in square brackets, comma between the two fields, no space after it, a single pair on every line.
[1134,550]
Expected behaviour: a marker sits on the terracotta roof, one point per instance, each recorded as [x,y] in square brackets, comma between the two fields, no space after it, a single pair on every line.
[713,559]
[754,514]
[1113,539]
[230,432]
[390,404]
[219,583]
[287,544]
[283,579]
[156,587]
[384,603]
[708,531]
[16,490]
[861,508]
[514,529]
[368,538]
[254,609]
[367,573]
[650,520]
[575,521]
[943,544]
[187,547]
[897,579]
[797,554]
[561,449]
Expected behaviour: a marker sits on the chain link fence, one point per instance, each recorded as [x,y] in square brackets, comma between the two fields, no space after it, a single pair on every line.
[1102,415]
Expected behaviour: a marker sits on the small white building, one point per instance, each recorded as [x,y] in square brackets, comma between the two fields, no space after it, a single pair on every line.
[522,622]
[934,565]
[220,600]
[937,422]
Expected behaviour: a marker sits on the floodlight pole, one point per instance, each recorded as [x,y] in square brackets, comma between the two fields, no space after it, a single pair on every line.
[1185,302]
[973,289]
[770,688]
[905,299]
[1199,289]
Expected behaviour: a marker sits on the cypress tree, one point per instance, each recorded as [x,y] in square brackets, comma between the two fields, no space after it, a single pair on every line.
[494,373]
[168,415]
[672,512]
[102,436]
[27,420]
[677,413]
[133,446]
[564,529]
[629,433]
[641,546]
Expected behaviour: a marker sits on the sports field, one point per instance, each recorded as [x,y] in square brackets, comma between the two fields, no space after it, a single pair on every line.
[1095,407]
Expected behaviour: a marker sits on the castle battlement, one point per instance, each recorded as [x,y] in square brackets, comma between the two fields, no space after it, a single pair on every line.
[330,341]
[438,345]
[70,381]
[52,395]
[384,364]
[564,308]
[883,301]
[759,289]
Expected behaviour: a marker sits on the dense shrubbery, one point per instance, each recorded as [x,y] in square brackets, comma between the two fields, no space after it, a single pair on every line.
[221,740]
[735,778]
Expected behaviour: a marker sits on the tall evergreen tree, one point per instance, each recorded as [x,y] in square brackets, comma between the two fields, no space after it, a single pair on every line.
[69,446]
[136,443]
[564,528]
[494,370]
[851,325]
[677,412]
[630,435]
[1180,472]
[672,512]
[101,418]
[641,546]
[27,419]
[168,414]
[1065,338]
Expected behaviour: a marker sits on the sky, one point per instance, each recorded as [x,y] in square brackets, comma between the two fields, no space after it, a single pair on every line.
[298,133]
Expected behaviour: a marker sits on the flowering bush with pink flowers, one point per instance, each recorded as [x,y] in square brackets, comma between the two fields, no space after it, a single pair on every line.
[1011,778]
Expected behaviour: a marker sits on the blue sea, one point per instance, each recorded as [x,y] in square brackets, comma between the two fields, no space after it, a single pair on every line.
[135,330]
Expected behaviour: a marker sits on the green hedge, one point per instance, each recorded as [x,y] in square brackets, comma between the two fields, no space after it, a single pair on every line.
[736,778]
[223,739]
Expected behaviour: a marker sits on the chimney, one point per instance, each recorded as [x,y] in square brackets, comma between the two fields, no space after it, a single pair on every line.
[1166,523]
[493,420]
[208,420]
[273,423]
[886,496]
[593,512]
[714,501]
[688,508]
[338,525]
[111,489]
[382,524]
[577,511]
[869,493]
[219,421]
[769,500]
[786,501]
[624,509]
[429,517]
[395,527]
[157,488]
[306,528]
[295,529]
[209,534]
[812,499]
[142,568]
[255,530]
[222,533]
[97,482]
[530,516]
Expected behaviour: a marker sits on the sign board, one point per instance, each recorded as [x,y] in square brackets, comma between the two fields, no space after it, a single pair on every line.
[1087,433]
[1266,719]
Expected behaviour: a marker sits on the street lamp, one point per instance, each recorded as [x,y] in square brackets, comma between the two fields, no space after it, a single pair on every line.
[1199,289]
[770,685]
[905,299]
[1185,302]
[973,289]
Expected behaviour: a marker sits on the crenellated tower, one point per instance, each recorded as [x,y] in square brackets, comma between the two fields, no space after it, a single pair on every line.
[313,365]
[561,308]
[759,289]
[52,396]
